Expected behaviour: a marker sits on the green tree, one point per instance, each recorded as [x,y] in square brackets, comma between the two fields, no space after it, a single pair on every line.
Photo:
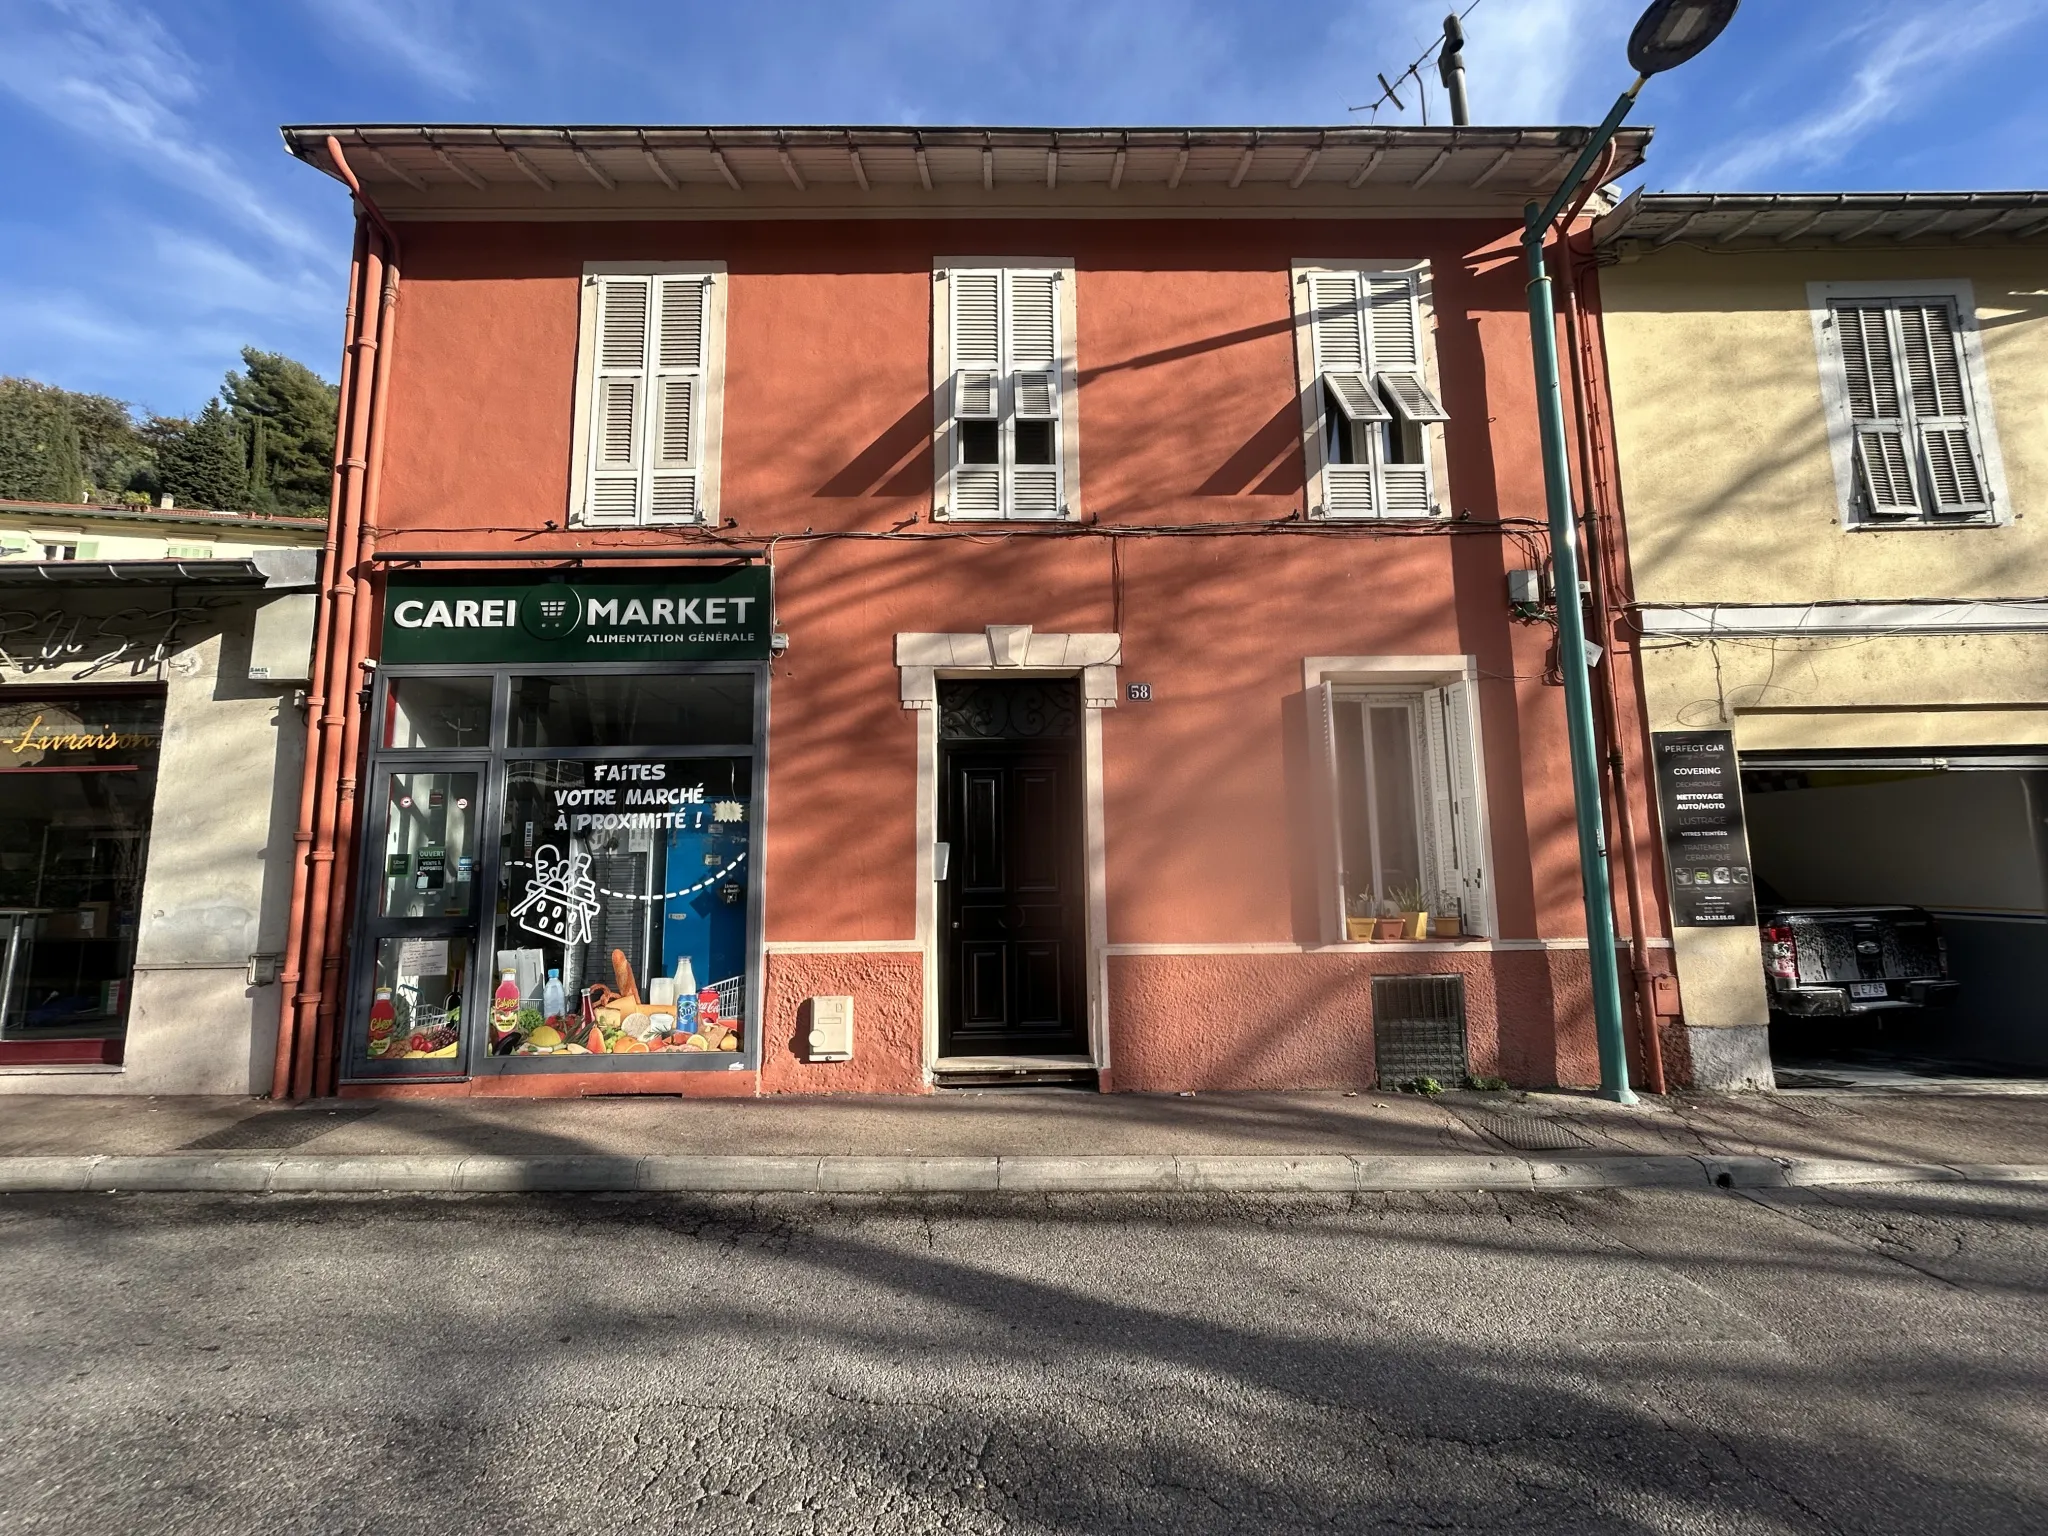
[206,464]
[291,457]
[39,458]
[116,456]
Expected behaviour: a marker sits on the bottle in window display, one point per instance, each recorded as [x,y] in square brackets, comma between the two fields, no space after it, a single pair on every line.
[504,1007]
[383,1022]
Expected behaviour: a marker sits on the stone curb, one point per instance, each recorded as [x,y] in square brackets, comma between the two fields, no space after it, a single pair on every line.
[1312,1173]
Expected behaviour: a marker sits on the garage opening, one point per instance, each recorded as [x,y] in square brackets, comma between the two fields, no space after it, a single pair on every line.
[1903,902]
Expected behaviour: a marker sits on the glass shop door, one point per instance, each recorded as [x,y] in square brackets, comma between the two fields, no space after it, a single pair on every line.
[426,894]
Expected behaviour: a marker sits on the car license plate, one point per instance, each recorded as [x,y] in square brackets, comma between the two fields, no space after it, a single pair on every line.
[1866,989]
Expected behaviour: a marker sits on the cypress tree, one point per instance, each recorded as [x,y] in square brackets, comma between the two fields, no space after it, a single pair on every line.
[203,466]
[39,459]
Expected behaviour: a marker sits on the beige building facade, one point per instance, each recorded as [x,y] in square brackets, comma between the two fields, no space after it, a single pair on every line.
[152,679]
[1831,419]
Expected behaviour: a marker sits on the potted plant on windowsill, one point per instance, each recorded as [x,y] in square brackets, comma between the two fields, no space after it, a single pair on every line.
[1449,921]
[1413,907]
[1358,921]
[1387,925]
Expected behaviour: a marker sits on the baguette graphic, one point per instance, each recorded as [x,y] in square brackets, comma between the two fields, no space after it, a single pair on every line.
[622,973]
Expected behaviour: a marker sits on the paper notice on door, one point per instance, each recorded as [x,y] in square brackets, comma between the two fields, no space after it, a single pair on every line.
[423,957]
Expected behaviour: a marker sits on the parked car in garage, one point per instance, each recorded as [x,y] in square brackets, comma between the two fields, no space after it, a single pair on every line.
[1833,961]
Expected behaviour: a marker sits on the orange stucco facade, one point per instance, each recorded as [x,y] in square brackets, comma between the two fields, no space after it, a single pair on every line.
[1216,973]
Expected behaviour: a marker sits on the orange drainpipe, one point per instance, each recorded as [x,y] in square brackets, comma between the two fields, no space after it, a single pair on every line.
[317,1002]
[1599,502]
[334,986]
[316,703]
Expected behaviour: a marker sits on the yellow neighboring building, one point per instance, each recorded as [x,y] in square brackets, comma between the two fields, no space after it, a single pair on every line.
[1831,416]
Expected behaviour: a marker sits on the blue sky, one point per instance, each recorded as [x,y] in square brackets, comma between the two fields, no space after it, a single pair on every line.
[151,224]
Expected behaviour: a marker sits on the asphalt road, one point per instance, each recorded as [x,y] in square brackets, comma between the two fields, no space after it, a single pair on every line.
[1628,1361]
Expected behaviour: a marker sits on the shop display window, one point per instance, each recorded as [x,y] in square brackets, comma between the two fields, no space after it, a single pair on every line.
[569,871]
[438,712]
[77,786]
[676,710]
[623,907]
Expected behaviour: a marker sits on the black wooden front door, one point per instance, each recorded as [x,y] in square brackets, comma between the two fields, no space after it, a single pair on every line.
[1011,974]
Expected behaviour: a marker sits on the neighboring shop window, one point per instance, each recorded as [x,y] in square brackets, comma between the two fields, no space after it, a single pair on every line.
[1369,405]
[651,368]
[1907,415]
[77,785]
[1403,779]
[1006,383]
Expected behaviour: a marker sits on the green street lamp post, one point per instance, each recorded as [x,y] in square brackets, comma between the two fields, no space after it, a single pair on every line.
[1669,33]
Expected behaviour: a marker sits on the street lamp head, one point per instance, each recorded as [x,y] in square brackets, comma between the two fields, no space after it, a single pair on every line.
[1672,31]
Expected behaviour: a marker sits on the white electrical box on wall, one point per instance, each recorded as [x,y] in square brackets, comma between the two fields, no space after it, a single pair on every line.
[831,1032]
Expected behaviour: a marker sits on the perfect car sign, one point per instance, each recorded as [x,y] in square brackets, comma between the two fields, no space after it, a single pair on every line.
[678,616]
[1699,792]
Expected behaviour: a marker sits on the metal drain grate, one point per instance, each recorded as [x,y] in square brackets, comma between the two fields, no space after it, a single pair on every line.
[1418,1029]
[276,1130]
[1526,1133]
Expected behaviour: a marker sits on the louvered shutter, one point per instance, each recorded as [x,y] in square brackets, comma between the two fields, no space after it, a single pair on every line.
[1337,343]
[1460,702]
[1033,363]
[1393,333]
[1941,410]
[976,328]
[1329,826]
[677,393]
[618,408]
[1442,815]
[1877,411]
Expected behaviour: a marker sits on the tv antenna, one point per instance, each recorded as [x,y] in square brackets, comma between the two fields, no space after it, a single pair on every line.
[1448,51]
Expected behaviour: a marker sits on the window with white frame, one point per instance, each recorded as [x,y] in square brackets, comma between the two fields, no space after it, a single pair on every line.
[1402,776]
[1369,408]
[1005,393]
[649,395]
[1906,413]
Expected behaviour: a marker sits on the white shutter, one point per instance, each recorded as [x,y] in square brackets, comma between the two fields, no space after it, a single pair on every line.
[1038,396]
[1461,701]
[1941,410]
[1439,794]
[1329,828]
[1393,332]
[1877,411]
[977,490]
[677,399]
[1356,399]
[977,323]
[1404,490]
[1393,326]
[1034,320]
[1410,395]
[618,404]
[1348,490]
[1006,368]
[975,396]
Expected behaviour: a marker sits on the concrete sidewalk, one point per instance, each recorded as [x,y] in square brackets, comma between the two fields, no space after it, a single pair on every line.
[1022,1140]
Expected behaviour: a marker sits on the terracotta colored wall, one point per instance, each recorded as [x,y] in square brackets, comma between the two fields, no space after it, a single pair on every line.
[1187,413]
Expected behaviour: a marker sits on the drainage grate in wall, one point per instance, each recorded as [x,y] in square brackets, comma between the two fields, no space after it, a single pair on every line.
[1418,1029]
[277,1130]
[1525,1133]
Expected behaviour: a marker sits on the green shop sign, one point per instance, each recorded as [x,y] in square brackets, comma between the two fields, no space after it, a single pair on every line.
[598,616]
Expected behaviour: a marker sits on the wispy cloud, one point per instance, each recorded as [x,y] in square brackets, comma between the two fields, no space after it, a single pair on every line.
[411,34]
[1906,54]
[111,74]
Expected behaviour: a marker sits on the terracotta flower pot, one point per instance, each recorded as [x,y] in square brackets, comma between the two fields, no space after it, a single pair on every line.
[1385,928]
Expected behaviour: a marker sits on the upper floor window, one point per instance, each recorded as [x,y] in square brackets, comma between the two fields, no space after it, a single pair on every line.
[1005,364]
[649,394]
[1908,417]
[1369,405]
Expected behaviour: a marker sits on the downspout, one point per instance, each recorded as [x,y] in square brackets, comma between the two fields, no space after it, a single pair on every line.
[1600,533]
[316,699]
[334,983]
[316,1004]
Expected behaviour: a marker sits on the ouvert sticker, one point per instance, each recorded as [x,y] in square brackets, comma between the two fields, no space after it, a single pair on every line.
[690,615]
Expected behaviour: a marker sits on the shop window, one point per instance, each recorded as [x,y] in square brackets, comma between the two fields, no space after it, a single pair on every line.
[429,844]
[1005,384]
[438,712]
[77,786]
[1402,779]
[624,898]
[582,710]
[649,394]
[1370,407]
[1907,414]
